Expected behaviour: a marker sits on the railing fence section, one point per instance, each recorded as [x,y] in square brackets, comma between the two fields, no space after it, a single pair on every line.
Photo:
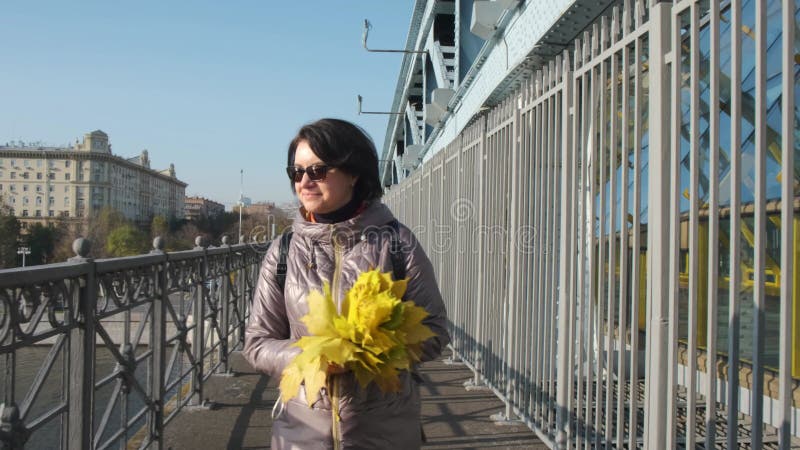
[616,240]
[101,354]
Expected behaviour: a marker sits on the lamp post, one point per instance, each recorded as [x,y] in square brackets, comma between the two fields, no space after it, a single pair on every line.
[23,251]
[241,203]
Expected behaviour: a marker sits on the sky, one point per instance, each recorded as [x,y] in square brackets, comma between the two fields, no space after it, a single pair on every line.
[212,87]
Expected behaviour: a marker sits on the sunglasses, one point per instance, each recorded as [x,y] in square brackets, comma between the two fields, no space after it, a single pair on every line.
[317,172]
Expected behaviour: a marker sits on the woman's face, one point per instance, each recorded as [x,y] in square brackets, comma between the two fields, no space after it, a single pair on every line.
[326,195]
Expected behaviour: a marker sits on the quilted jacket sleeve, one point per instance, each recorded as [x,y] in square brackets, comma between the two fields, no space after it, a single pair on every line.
[424,291]
[267,342]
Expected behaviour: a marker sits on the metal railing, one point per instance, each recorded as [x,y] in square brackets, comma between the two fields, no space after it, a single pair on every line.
[104,353]
[615,241]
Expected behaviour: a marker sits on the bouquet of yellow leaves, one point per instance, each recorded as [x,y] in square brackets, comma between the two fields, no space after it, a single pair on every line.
[376,335]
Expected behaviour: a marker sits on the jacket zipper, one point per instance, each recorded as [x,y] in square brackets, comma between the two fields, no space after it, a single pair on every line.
[337,263]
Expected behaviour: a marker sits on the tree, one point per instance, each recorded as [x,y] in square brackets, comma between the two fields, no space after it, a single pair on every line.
[126,240]
[101,224]
[42,241]
[9,236]
[159,227]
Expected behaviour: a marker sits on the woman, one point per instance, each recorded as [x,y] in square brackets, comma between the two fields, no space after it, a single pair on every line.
[333,168]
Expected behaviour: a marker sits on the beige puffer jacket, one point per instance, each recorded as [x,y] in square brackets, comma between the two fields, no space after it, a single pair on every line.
[338,253]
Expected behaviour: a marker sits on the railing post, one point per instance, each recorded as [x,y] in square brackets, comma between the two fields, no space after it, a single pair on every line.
[565,294]
[158,335]
[658,365]
[80,434]
[240,281]
[199,313]
[225,310]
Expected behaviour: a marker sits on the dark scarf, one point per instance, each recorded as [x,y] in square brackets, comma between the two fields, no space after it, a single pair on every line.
[348,211]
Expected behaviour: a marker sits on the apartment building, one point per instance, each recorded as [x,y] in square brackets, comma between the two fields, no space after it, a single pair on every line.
[196,207]
[44,183]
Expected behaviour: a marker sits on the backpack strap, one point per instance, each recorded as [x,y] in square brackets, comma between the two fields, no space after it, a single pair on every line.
[280,273]
[398,260]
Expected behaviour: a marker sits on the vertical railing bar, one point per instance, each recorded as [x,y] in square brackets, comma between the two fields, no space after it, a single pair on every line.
[565,273]
[591,163]
[657,389]
[550,296]
[524,320]
[759,304]
[492,297]
[623,251]
[481,263]
[713,229]
[636,246]
[602,376]
[612,256]
[459,256]
[542,300]
[530,282]
[543,250]
[674,232]
[511,133]
[584,261]
[694,192]
[536,294]
[732,403]
[571,118]
[788,235]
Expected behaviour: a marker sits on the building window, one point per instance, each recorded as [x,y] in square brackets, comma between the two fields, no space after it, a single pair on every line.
[13,163]
[66,163]
[25,175]
[51,201]
[12,211]
[38,188]
[27,163]
[66,201]
[51,164]
[51,188]
[38,213]
[13,175]
[80,176]
[51,213]
[66,176]
[38,175]
[38,201]
[24,188]
[38,163]
[13,200]
[24,213]
[66,188]
[51,176]
[12,188]
[24,200]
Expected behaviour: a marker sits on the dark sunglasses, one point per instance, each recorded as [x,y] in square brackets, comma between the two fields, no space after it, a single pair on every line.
[317,172]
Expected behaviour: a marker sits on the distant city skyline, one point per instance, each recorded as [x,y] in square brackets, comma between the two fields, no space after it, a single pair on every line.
[210,88]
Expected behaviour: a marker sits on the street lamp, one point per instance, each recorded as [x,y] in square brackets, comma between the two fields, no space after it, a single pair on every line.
[241,203]
[23,251]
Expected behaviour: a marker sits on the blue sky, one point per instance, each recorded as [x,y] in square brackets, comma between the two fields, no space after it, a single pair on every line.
[213,87]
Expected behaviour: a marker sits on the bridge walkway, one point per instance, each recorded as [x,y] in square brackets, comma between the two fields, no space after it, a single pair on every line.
[241,404]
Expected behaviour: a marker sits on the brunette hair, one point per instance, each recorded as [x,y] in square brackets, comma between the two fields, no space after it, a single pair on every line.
[346,146]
